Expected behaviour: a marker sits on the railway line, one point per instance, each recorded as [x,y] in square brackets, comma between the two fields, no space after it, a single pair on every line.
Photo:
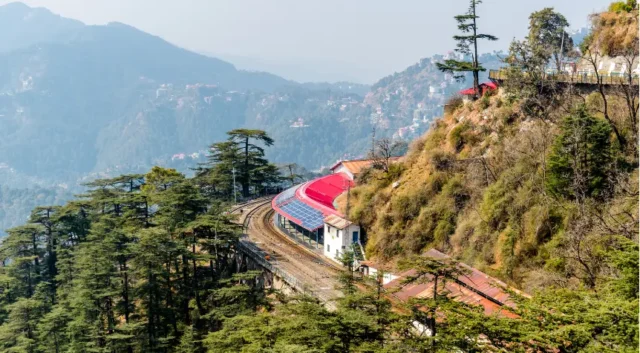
[307,271]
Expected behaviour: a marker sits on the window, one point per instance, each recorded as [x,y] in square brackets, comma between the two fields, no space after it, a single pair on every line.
[328,248]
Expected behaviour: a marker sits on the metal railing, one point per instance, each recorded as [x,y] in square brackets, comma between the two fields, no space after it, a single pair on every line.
[580,77]
[258,256]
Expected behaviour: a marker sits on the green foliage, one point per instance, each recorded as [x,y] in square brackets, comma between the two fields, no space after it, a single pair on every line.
[460,135]
[547,35]
[581,163]
[137,263]
[240,159]
[622,6]
[467,46]
[485,101]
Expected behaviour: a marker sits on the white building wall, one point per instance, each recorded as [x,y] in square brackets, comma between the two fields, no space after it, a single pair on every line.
[342,169]
[386,278]
[336,241]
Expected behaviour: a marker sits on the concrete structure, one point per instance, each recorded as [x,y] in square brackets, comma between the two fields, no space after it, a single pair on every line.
[307,212]
[302,209]
[354,167]
[370,268]
[339,235]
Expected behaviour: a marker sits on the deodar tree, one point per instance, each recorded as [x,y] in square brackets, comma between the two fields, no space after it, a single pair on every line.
[547,36]
[241,156]
[468,46]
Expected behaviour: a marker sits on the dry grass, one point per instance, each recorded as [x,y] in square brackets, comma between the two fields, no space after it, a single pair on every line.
[615,33]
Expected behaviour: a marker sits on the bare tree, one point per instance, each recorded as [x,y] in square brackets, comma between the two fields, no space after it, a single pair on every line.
[629,89]
[592,55]
[292,176]
[385,151]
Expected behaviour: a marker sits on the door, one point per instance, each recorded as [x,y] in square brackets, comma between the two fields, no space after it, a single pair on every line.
[355,237]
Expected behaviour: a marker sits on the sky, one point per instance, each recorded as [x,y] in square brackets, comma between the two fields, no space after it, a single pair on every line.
[318,40]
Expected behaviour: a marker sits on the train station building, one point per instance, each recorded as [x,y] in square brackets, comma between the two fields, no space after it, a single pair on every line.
[307,212]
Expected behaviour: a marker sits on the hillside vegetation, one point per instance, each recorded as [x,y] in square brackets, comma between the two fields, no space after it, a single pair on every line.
[81,102]
[532,186]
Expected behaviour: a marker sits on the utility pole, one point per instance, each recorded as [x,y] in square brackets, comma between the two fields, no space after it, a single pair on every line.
[373,141]
[235,201]
[560,55]
[348,197]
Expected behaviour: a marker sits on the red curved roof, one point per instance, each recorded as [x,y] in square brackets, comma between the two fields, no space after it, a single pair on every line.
[318,194]
[326,189]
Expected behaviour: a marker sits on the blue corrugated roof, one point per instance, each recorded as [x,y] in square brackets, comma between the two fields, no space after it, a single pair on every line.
[311,218]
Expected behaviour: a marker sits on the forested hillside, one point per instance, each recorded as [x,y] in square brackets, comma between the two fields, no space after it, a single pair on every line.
[536,185]
[81,102]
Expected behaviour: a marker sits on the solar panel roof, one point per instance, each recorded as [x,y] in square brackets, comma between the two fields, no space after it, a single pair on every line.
[309,217]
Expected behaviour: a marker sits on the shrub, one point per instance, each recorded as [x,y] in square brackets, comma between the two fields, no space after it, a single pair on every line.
[505,115]
[581,160]
[485,101]
[454,102]
[442,161]
[457,136]
[621,6]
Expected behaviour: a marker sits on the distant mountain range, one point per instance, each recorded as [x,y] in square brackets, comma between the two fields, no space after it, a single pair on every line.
[78,102]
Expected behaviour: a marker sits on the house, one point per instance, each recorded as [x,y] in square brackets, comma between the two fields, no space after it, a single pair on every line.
[469,93]
[339,235]
[370,268]
[473,287]
[354,167]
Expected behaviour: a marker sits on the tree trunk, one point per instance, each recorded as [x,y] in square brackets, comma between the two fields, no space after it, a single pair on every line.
[245,172]
[476,83]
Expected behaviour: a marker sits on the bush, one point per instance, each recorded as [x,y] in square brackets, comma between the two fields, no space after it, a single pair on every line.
[505,115]
[581,160]
[485,101]
[458,136]
[454,102]
[621,6]
[442,161]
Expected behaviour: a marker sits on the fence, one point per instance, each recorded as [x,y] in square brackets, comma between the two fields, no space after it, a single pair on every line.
[580,77]
[258,256]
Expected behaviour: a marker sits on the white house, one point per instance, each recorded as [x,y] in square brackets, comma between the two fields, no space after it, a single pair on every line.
[339,234]
[369,268]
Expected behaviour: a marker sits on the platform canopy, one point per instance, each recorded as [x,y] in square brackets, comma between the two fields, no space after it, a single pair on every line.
[310,203]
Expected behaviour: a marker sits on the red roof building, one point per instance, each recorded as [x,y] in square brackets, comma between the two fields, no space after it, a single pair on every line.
[475,288]
[484,87]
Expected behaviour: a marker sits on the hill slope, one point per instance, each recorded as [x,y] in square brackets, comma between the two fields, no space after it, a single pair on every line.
[85,101]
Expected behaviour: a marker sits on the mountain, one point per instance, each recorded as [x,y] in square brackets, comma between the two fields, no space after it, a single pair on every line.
[22,26]
[88,101]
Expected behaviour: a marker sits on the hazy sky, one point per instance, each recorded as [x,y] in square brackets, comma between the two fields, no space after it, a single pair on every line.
[360,40]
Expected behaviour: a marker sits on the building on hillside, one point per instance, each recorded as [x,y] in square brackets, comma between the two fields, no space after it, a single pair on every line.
[304,210]
[371,268]
[469,93]
[354,167]
[308,213]
[474,287]
[339,235]
[610,66]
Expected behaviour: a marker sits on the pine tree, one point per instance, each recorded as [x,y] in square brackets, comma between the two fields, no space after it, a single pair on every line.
[468,46]
[581,163]
[252,154]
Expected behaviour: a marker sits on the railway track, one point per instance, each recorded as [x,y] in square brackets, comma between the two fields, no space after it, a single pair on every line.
[307,271]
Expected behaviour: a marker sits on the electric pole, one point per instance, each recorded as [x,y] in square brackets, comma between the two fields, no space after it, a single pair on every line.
[235,201]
